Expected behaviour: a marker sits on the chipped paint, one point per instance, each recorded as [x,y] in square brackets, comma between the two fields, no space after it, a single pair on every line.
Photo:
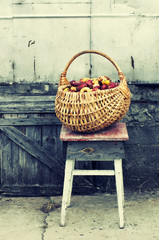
[132,62]
[121,24]
[116,132]
[31,42]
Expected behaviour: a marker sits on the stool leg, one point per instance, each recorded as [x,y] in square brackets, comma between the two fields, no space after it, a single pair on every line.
[122,185]
[120,189]
[67,189]
[71,182]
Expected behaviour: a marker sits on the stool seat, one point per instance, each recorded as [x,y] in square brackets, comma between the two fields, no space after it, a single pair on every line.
[116,132]
[104,145]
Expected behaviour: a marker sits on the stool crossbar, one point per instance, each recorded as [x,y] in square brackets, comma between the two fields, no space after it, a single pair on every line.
[106,145]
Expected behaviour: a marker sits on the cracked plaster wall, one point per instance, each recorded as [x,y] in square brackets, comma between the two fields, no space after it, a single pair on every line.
[38,38]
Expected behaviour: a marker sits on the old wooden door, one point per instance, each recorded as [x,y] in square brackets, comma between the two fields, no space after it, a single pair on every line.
[32,155]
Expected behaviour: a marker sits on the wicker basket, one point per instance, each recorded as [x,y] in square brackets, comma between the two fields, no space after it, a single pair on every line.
[91,111]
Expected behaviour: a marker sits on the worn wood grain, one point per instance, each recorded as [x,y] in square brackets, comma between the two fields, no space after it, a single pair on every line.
[94,172]
[6,167]
[95,151]
[31,147]
[33,133]
[0,160]
[24,164]
[49,142]
[25,89]
[15,163]
[33,121]
[27,104]
[23,175]
[37,190]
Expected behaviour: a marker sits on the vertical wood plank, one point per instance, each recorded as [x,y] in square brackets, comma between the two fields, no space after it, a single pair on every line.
[60,145]
[22,162]
[16,171]
[0,158]
[38,166]
[15,163]
[61,150]
[49,142]
[34,133]
[7,166]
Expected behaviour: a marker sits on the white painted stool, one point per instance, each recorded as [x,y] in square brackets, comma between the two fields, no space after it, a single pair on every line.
[105,145]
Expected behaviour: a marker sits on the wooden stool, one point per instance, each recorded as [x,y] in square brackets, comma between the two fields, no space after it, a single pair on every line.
[105,145]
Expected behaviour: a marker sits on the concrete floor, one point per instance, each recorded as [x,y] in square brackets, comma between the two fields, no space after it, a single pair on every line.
[88,218]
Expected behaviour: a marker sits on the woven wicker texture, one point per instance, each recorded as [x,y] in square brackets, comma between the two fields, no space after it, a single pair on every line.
[92,111]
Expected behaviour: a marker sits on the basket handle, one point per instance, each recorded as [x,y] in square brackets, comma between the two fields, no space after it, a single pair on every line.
[63,79]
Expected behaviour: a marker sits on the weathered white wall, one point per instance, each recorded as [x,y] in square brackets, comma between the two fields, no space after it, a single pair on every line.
[38,38]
